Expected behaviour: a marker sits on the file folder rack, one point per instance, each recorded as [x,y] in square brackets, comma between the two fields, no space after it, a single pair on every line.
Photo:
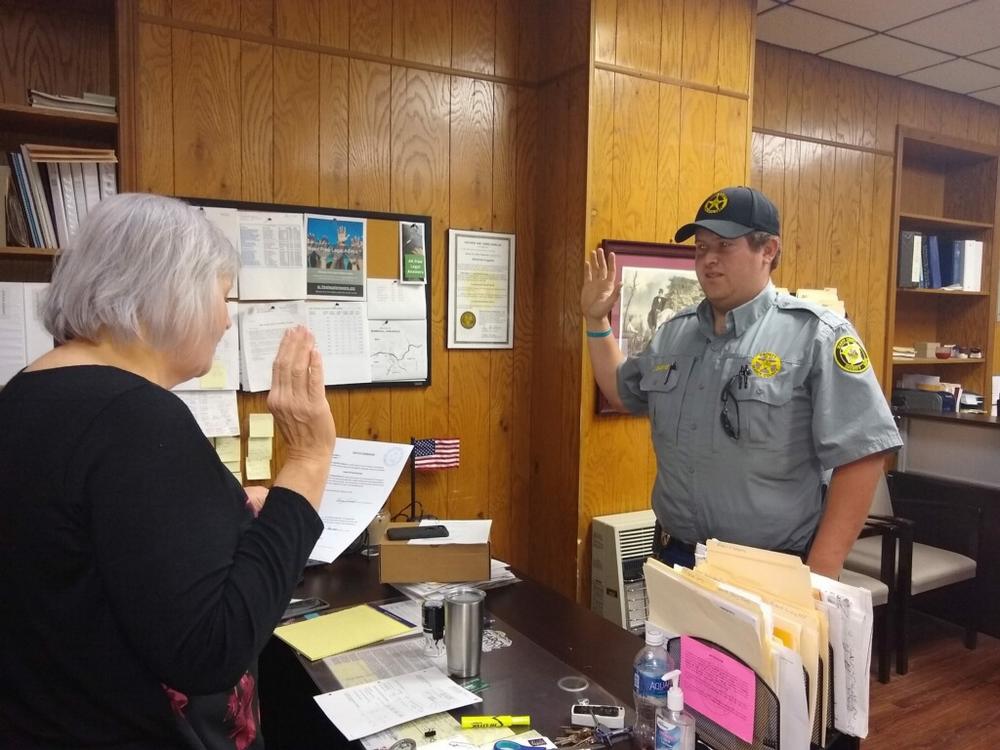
[767,712]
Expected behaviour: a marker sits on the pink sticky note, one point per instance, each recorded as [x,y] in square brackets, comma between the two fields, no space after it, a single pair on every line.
[718,687]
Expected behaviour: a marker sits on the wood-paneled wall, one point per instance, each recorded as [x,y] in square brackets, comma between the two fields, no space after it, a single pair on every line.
[416,106]
[669,123]
[823,149]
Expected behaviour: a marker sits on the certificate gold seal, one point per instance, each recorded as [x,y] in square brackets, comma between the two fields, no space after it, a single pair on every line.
[468,320]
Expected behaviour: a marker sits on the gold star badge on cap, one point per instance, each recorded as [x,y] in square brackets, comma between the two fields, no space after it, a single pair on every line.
[716,203]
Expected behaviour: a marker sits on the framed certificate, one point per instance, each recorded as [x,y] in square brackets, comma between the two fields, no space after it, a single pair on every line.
[480,290]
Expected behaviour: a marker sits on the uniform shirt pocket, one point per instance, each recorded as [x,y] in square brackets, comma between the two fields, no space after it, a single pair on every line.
[771,412]
[664,385]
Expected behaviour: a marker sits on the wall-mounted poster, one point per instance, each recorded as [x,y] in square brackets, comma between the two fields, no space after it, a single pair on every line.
[412,255]
[335,257]
[480,290]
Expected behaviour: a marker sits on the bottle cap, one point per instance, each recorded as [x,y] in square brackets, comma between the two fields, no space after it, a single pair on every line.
[654,636]
[675,696]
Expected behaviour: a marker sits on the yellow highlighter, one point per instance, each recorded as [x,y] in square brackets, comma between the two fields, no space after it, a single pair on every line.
[483,722]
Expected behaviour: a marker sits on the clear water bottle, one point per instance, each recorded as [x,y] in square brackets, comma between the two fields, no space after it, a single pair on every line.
[648,687]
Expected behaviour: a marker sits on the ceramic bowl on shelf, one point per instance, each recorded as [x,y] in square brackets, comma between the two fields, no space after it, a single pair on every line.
[942,352]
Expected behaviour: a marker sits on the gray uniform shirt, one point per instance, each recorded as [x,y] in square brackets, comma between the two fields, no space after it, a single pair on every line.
[807,400]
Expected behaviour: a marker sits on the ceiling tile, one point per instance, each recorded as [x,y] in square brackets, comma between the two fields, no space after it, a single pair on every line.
[990,57]
[990,95]
[880,15]
[962,76]
[962,31]
[886,55]
[798,29]
[763,5]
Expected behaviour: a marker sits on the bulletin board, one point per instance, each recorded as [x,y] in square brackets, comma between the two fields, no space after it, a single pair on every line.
[347,264]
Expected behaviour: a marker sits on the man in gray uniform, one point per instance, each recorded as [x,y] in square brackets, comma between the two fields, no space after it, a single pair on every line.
[751,395]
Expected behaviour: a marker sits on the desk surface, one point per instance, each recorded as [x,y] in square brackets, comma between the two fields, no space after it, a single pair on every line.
[589,644]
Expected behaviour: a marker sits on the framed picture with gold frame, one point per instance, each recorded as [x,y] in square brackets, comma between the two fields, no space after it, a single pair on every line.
[658,281]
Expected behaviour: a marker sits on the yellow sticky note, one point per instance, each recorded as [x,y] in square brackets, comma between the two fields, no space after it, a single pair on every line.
[258,468]
[228,449]
[259,447]
[214,378]
[341,631]
[239,476]
[261,425]
[233,466]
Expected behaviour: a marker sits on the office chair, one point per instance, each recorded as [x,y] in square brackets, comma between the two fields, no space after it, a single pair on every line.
[922,567]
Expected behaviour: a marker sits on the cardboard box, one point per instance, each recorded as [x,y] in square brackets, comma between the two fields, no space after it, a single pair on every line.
[401,562]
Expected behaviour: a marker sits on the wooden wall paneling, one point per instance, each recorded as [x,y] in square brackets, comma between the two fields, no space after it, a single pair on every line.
[827,219]
[935,102]
[334,131]
[988,124]
[472,118]
[912,98]
[369,107]
[371,27]
[206,115]
[297,20]
[774,98]
[793,96]
[815,94]
[760,64]
[842,246]
[257,121]
[756,159]
[66,52]
[154,132]
[296,126]
[864,261]
[257,17]
[422,31]
[810,184]
[507,38]
[888,114]
[637,43]
[526,172]
[790,216]
[668,156]
[697,178]
[633,206]
[474,35]
[605,18]
[700,60]
[224,14]
[884,246]
[419,184]
[731,133]
[773,170]
[736,48]
[155,7]
[529,40]
[335,23]
[672,39]
[850,115]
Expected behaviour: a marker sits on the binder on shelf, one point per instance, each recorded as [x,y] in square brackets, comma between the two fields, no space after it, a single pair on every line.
[972,266]
[933,263]
[910,261]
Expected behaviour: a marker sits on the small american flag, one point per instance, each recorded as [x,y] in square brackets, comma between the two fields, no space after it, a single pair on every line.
[435,453]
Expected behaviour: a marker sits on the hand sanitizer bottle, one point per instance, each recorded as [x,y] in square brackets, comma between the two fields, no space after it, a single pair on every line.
[674,725]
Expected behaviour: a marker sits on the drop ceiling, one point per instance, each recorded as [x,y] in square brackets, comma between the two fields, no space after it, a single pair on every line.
[950,44]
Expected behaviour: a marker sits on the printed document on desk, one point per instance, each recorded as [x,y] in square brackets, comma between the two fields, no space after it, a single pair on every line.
[369,708]
[362,474]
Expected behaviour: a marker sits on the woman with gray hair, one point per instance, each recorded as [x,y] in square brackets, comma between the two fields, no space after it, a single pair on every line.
[140,583]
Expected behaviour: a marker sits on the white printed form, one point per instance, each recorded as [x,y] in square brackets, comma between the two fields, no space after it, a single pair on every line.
[341,331]
[12,338]
[272,256]
[261,329]
[372,707]
[224,375]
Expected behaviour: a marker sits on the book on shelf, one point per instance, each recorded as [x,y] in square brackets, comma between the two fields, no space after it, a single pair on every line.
[910,259]
[936,262]
[58,185]
[98,104]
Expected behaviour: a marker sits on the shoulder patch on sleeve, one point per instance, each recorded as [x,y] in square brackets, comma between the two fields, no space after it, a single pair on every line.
[850,355]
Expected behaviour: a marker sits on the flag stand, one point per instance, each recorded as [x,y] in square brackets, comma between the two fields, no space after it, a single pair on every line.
[413,480]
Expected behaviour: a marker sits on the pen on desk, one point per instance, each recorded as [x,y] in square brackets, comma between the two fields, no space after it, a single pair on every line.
[481,722]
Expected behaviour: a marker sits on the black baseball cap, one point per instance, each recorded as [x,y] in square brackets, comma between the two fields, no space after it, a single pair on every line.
[733,212]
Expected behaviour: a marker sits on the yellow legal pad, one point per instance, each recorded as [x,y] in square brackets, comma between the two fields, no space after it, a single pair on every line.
[341,631]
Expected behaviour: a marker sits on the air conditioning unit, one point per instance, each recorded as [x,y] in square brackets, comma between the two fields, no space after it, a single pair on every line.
[621,543]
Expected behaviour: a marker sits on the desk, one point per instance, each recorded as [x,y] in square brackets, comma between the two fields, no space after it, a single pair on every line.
[591,645]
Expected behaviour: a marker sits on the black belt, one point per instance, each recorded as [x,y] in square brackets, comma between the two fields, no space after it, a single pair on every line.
[662,539]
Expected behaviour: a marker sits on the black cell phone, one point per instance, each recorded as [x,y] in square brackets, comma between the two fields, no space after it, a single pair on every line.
[304,607]
[416,532]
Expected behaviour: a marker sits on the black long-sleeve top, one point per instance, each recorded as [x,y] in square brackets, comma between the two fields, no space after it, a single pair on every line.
[129,563]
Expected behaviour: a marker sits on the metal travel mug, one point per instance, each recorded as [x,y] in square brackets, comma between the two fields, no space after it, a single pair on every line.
[463,631]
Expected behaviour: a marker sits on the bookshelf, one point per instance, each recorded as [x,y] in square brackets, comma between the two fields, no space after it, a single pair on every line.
[945,187]
[63,47]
